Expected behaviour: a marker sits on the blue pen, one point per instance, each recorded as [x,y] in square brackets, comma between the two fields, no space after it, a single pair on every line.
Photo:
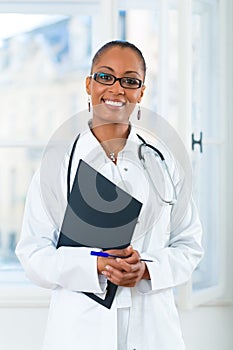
[107,255]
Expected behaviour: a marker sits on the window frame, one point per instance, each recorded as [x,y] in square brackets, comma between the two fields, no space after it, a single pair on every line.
[217,294]
[21,295]
[219,17]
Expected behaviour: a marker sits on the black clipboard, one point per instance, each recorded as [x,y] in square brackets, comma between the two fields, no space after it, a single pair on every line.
[99,214]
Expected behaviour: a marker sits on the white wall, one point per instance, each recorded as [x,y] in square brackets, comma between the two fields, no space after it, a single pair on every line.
[22,329]
[208,328]
[204,328]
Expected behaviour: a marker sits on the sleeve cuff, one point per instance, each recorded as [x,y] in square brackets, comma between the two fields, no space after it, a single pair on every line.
[144,286]
[103,282]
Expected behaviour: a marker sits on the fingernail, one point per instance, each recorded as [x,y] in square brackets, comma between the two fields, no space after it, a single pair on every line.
[118,259]
[129,247]
[104,273]
[107,267]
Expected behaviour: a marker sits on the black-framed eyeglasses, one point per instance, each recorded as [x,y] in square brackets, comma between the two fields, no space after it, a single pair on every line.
[109,79]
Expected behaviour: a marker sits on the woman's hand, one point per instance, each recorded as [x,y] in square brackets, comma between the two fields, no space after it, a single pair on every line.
[123,272]
[102,262]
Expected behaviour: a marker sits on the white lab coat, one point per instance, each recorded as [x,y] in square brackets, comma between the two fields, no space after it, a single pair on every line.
[77,322]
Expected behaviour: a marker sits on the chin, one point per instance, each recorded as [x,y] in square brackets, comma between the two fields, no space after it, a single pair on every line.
[106,115]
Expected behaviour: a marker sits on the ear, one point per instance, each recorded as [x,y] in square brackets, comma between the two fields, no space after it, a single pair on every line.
[88,85]
[142,93]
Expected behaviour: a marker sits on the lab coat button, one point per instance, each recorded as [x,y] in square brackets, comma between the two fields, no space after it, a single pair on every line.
[125,169]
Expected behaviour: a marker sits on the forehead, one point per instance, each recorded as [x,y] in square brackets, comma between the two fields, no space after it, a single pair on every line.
[121,60]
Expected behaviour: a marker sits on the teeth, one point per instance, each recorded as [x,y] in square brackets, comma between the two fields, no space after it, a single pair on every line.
[114,103]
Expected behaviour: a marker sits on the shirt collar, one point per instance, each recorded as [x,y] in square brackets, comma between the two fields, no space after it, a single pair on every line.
[89,148]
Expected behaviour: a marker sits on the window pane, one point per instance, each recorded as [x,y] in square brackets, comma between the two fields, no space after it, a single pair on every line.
[42,75]
[17,167]
[158,39]
[158,42]
[134,26]
[44,60]
[207,165]
[206,189]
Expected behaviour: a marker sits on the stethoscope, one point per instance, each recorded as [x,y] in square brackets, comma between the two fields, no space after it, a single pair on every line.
[164,167]
[144,144]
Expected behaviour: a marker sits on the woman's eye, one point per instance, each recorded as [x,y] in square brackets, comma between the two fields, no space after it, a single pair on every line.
[105,77]
[131,81]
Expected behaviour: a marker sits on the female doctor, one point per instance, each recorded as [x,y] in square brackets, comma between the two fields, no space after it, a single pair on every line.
[143,315]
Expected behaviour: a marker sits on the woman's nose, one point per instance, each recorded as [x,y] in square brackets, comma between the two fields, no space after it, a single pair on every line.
[117,88]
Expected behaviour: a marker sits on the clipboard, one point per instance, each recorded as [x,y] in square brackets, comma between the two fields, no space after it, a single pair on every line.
[99,214]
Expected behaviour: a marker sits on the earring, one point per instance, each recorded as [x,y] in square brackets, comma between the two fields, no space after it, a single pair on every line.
[139,112]
[89,103]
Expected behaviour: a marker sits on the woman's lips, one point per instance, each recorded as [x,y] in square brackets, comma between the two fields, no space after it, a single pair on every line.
[113,103]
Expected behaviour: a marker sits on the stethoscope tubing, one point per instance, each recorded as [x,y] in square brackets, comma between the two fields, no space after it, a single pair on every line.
[163,164]
[142,159]
[145,144]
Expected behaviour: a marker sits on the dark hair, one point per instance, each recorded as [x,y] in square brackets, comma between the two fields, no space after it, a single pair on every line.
[123,45]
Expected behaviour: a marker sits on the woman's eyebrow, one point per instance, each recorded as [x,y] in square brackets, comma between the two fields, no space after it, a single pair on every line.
[107,67]
[127,72]
[132,71]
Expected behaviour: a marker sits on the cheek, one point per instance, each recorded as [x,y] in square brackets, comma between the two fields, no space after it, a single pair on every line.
[96,94]
[134,96]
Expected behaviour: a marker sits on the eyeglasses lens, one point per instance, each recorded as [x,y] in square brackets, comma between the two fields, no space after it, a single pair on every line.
[125,82]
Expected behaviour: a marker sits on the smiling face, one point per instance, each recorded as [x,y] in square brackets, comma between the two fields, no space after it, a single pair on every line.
[116,102]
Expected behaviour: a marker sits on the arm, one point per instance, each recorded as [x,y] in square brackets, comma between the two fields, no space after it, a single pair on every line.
[69,267]
[175,262]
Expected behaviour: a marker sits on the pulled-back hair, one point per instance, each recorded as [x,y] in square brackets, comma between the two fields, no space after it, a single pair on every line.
[122,44]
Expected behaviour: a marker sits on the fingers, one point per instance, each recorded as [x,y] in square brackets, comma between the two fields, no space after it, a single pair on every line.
[122,271]
[127,267]
[123,278]
[132,259]
[103,262]
[126,252]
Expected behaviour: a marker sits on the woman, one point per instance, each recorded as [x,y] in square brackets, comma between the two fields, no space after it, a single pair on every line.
[143,314]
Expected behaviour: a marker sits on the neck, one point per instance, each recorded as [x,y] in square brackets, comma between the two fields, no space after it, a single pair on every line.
[109,132]
[112,138]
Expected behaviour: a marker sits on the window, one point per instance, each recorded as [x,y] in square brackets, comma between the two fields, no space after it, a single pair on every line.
[181,42]
[43,66]
[205,120]
[43,62]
